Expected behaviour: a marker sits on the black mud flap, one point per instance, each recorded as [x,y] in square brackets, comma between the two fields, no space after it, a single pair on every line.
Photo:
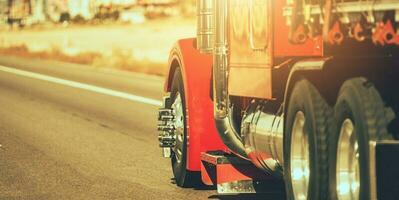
[387,170]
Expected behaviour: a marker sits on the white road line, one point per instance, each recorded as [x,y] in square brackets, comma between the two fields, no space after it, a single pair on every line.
[83,86]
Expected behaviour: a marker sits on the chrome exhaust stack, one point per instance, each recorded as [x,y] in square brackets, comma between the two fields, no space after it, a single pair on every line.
[205,26]
[227,132]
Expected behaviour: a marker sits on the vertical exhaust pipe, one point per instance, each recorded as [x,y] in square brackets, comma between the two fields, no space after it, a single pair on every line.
[205,27]
[227,132]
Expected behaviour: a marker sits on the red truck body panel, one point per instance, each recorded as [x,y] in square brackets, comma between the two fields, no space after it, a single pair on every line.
[252,51]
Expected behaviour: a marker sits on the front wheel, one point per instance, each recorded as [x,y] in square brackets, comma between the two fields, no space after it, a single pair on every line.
[183,177]
[308,124]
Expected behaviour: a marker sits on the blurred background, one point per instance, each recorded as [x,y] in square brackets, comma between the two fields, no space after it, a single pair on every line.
[80,87]
[133,35]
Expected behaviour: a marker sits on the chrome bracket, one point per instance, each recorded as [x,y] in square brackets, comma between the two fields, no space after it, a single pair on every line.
[166,128]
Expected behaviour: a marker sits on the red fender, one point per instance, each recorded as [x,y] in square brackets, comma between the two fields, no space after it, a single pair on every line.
[196,69]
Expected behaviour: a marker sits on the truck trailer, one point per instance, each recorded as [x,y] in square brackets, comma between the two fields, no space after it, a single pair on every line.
[298,97]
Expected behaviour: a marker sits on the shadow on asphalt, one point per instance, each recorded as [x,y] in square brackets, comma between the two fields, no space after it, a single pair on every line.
[241,196]
[237,196]
[196,187]
[205,187]
[248,197]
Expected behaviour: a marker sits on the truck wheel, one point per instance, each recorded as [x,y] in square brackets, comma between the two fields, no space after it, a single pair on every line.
[308,124]
[361,117]
[183,177]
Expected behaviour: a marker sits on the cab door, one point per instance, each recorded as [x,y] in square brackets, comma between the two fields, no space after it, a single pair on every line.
[250,60]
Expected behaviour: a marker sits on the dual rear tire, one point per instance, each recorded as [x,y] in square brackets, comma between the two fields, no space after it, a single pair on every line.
[362,118]
[326,148]
[308,124]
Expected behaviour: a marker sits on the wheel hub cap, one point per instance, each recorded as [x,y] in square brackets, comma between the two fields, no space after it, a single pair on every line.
[178,123]
[299,157]
[348,171]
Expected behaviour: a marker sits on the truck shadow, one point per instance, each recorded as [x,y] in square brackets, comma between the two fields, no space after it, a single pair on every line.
[249,197]
[197,186]
[271,196]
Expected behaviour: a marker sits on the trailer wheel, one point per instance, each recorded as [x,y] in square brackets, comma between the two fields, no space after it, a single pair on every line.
[361,117]
[308,124]
[183,177]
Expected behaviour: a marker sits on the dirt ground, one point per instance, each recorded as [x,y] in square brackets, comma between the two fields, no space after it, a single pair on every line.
[136,47]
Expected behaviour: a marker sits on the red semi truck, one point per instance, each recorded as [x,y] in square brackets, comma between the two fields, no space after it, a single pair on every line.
[292,96]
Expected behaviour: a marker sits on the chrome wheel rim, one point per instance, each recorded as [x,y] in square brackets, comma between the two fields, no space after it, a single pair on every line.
[299,158]
[348,170]
[178,123]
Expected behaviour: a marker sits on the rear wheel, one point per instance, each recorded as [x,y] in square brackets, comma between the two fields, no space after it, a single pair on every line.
[361,117]
[308,123]
[183,177]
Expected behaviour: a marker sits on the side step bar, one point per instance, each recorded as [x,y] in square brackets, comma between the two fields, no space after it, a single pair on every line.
[233,175]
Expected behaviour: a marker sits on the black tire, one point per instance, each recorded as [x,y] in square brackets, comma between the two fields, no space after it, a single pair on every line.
[360,102]
[183,177]
[318,125]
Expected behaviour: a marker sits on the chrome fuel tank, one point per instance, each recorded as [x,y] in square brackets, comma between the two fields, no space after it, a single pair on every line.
[263,140]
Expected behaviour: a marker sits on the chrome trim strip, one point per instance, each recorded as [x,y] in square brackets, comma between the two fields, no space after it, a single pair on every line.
[348,7]
[372,172]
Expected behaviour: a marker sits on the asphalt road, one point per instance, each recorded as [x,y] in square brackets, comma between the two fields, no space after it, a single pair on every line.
[61,142]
